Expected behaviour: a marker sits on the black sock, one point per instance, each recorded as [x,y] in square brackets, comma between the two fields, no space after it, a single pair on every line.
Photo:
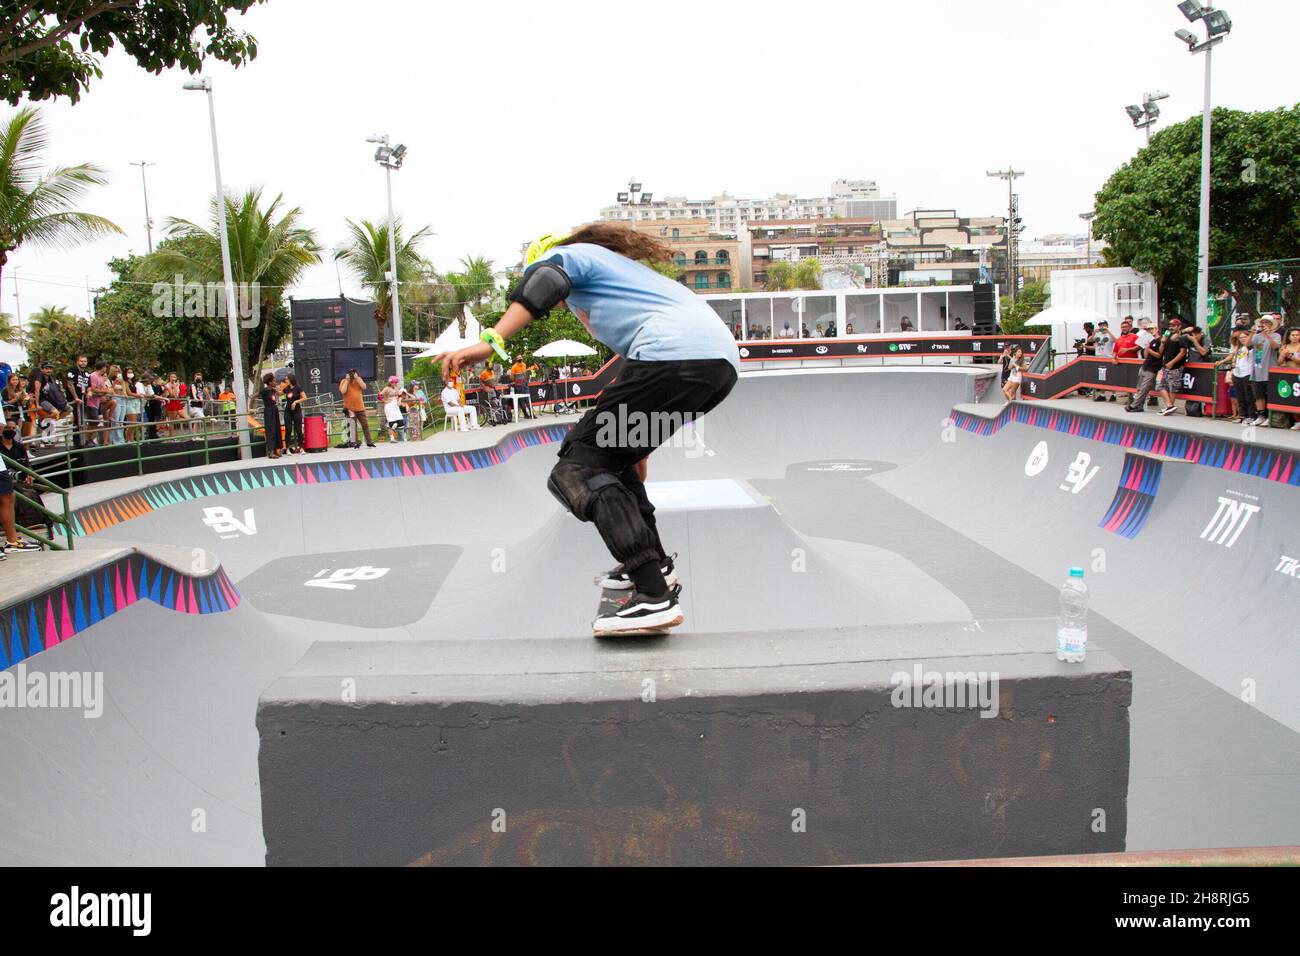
[649,579]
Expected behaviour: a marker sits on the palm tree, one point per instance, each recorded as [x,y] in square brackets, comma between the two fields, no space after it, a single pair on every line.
[48,318]
[366,255]
[479,280]
[37,209]
[265,252]
[9,331]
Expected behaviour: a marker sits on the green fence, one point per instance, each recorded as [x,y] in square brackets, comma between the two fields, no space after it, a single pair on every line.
[58,522]
[1249,289]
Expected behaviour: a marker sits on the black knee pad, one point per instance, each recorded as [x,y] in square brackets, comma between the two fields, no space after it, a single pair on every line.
[577,487]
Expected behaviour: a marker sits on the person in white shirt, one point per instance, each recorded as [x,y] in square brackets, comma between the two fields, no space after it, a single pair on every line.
[451,402]
[1104,343]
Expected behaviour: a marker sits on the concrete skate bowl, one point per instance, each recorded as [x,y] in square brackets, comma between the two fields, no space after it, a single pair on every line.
[834,530]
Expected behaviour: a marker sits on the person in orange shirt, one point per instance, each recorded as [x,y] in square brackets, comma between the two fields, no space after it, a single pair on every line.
[353,388]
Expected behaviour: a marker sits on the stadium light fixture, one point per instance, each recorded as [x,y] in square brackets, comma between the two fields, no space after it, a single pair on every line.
[1218,23]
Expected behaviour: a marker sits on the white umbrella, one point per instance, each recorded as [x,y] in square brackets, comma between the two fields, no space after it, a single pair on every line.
[564,348]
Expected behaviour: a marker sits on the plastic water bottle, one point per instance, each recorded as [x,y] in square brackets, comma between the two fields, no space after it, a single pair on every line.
[1072,621]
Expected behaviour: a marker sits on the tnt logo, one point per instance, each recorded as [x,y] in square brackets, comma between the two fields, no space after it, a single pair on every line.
[1229,521]
[223,521]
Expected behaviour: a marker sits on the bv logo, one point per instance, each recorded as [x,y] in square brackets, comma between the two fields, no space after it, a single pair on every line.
[223,521]
[1078,475]
[1101,373]
[1229,521]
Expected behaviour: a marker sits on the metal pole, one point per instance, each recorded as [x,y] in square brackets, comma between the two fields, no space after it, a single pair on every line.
[18,311]
[148,220]
[1011,229]
[1203,252]
[232,315]
[392,265]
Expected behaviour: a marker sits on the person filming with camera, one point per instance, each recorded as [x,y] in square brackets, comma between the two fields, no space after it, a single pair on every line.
[353,390]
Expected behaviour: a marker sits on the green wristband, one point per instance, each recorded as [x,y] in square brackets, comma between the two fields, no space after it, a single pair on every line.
[493,338]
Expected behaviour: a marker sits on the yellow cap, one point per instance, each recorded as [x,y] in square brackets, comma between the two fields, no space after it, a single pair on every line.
[542,244]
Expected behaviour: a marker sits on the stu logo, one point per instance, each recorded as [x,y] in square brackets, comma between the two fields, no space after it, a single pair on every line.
[223,521]
[1229,521]
[103,909]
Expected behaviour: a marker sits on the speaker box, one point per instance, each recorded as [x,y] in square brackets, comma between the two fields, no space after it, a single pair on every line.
[985,308]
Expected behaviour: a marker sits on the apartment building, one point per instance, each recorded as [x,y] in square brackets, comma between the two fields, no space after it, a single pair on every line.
[938,247]
[708,260]
[844,246]
[724,213]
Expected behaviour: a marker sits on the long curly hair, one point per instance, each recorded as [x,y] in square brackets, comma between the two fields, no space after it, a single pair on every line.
[620,239]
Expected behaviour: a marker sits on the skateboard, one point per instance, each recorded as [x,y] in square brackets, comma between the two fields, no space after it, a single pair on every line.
[611,599]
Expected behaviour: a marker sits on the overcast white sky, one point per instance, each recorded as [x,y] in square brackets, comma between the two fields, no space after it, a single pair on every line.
[524,117]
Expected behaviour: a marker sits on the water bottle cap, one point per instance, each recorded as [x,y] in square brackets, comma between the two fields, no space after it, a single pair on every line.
[1076,572]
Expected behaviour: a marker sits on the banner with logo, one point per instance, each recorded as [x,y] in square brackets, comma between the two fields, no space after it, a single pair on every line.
[1197,379]
[1284,390]
[965,346]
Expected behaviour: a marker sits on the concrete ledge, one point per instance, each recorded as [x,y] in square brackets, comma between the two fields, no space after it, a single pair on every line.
[700,749]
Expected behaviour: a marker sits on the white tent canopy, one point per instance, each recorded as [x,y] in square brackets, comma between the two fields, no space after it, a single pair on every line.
[563,348]
[1066,323]
[450,340]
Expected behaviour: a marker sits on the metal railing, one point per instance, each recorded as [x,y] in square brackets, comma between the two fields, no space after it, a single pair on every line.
[53,518]
[203,437]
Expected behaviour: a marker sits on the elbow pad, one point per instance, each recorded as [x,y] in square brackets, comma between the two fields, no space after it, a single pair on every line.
[542,288]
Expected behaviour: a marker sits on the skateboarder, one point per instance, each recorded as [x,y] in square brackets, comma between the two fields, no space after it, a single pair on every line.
[679,362]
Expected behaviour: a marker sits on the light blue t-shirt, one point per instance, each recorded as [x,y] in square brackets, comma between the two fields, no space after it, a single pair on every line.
[639,313]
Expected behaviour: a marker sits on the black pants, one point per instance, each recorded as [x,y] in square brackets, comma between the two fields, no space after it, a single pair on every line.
[293,427]
[355,419]
[596,475]
[271,415]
